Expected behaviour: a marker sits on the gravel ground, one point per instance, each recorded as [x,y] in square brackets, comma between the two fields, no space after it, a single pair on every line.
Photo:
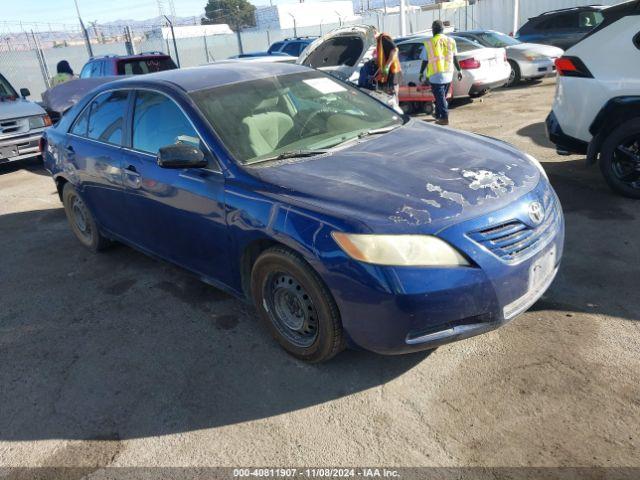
[118,359]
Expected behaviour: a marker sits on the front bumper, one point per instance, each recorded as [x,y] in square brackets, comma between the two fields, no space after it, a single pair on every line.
[399,310]
[536,68]
[20,147]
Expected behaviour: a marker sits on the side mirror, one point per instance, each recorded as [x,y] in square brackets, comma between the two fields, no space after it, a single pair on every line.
[180,155]
[24,92]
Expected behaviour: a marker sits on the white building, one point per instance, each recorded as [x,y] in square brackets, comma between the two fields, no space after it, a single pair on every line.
[191,31]
[283,16]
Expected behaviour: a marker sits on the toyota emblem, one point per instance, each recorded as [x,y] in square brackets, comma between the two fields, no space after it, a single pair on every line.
[536,212]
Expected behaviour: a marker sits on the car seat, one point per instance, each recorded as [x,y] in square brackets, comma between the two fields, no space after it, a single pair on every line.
[266,130]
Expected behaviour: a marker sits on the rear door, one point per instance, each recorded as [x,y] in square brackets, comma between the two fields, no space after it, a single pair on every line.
[177,214]
[93,150]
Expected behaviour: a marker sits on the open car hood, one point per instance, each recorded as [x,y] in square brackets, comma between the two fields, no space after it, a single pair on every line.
[341,52]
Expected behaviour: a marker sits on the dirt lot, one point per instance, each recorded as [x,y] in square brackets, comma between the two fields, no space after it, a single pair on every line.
[118,359]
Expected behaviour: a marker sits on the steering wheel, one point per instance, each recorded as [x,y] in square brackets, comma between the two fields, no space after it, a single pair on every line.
[309,119]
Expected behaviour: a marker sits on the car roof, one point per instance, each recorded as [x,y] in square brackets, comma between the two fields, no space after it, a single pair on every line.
[209,76]
[131,57]
[572,9]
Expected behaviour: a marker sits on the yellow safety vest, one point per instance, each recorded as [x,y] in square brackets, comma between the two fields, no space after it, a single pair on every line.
[60,78]
[440,52]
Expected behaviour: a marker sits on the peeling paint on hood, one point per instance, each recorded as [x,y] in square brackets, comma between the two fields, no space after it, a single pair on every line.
[417,178]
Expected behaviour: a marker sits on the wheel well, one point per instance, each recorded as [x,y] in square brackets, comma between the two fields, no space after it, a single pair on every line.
[60,182]
[248,259]
[616,112]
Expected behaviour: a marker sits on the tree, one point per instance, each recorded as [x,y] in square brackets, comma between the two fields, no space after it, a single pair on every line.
[235,13]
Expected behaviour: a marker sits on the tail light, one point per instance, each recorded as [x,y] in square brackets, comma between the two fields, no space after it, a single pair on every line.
[469,64]
[505,57]
[572,67]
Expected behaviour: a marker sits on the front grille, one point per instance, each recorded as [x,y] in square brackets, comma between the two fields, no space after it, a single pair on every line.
[14,126]
[515,240]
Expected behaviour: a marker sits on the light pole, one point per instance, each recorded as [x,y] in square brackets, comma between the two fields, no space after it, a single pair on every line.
[84,30]
[403,22]
[516,15]
[295,30]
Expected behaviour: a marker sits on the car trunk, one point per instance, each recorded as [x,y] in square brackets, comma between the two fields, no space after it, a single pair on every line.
[341,52]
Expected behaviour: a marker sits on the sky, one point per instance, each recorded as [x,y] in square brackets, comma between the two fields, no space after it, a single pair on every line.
[63,11]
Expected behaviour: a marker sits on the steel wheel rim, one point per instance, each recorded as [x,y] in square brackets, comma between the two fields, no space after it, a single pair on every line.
[291,309]
[626,161]
[79,212]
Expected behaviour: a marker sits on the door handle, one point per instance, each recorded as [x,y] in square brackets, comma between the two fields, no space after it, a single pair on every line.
[132,178]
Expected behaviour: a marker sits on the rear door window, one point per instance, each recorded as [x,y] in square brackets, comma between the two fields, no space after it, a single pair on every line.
[140,66]
[159,122]
[408,52]
[106,117]
[275,47]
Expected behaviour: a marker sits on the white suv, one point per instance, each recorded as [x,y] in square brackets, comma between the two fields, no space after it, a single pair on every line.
[597,105]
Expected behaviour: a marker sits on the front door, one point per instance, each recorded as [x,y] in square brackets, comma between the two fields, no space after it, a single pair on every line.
[178,214]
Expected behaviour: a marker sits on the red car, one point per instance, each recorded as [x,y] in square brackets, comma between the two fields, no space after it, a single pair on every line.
[113,65]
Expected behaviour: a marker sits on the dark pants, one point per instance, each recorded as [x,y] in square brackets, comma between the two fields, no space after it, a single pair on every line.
[440,94]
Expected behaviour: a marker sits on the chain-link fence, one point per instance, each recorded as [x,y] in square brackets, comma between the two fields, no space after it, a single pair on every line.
[29,53]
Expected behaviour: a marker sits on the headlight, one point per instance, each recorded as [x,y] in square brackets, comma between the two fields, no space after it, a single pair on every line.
[532,57]
[535,161]
[400,250]
[39,121]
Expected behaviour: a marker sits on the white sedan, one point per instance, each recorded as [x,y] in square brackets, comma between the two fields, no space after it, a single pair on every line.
[482,68]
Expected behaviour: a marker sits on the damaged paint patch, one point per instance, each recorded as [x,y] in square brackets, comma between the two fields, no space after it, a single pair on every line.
[412,216]
[433,203]
[498,183]
[452,196]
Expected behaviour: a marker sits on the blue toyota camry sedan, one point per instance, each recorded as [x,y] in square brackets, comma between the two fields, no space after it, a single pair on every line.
[344,223]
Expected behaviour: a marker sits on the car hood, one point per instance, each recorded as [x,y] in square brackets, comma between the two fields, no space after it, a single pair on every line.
[18,108]
[417,178]
[546,50]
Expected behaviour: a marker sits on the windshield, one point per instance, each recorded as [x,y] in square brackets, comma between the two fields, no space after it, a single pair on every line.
[309,111]
[497,40]
[6,90]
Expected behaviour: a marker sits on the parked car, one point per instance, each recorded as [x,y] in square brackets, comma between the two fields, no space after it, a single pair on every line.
[561,28]
[259,55]
[342,53]
[21,124]
[291,47]
[115,65]
[482,68]
[343,222]
[528,61]
[596,110]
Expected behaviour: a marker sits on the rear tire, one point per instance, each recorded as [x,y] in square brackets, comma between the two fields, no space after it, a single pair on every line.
[515,77]
[296,306]
[82,222]
[620,159]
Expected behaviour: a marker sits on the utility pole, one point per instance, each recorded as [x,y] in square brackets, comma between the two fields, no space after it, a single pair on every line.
[516,15]
[173,35]
[403,23]
[84,30]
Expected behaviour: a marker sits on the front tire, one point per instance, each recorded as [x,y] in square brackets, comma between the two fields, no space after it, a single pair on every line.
[296,306]
[515,77]
[81,220]
[620,159]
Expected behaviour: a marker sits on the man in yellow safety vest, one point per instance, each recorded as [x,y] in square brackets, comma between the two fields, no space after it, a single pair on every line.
[439,58]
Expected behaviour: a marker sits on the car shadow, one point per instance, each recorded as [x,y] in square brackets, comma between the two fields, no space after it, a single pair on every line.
[118,345]
[537,133]
[33,165]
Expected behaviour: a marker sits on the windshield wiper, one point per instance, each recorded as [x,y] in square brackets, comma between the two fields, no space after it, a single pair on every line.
[292,154]
[377,131]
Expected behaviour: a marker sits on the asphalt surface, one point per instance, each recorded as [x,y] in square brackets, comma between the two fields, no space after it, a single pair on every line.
[118,359]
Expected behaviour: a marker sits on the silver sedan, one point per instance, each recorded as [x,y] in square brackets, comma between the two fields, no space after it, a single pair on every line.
[529,61]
